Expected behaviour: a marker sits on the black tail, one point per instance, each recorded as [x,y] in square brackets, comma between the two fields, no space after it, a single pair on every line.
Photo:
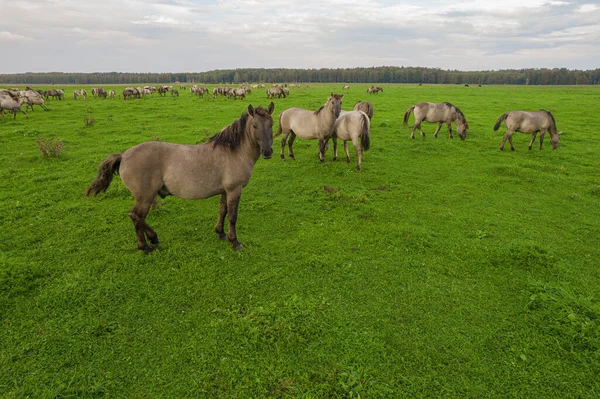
[499,121]
[407,115]
[365,139]
[107,169]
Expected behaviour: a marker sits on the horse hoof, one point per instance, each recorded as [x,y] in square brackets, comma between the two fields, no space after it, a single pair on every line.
[358,168]
[334,159]
[293,158]
[148,249]
[238,246]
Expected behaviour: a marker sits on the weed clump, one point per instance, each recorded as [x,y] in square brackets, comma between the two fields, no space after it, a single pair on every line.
[50,147]
[88,121]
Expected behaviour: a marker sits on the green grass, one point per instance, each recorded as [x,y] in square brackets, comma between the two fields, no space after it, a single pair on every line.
[445,268]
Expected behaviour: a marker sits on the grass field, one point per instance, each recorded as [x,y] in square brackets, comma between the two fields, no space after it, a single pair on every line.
[445,268]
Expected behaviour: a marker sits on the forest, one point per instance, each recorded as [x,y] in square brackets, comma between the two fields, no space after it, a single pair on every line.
[382,74]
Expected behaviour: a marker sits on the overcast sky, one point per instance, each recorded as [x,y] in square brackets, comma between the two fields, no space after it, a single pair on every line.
[201,35]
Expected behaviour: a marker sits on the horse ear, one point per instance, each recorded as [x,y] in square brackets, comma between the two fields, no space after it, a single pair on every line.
[271,108]
[250,110]
[331,94]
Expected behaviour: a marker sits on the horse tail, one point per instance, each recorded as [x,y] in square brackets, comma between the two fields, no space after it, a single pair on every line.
[499,121]
[365,139]
[407,115]
[107,169]
[279,129]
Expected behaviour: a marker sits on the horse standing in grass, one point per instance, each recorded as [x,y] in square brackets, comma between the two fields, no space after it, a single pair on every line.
[222,166]
[528,122]
[352,125]
[309,124]
[437,112]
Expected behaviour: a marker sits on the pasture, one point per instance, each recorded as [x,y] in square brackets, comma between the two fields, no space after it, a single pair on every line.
[445,268]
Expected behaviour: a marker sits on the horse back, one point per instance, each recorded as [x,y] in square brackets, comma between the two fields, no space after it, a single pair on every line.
[186,171]
[529,122]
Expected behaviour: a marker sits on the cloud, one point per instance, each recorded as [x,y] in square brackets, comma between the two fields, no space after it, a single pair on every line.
[12,37]
[199,35]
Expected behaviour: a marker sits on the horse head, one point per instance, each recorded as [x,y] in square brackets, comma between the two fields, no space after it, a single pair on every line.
[554,140]
[262,124]
[335,103]
[462,129]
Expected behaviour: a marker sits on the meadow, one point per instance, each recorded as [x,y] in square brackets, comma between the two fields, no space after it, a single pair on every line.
[445,268]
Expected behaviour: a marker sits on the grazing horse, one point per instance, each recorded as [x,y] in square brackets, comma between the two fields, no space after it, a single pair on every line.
[309,125]
[365,107]
[374,90]
[528,122]
[437,112]
[346,87]
[221,166]
[352,125]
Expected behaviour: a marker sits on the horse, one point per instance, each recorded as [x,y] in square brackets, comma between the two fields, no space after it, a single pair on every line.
[9,104]
[437,112]
[31,101]
[529,122]
[374,90]
[352,125]
[222,166]
[346,87]
[365,107]
[309,125]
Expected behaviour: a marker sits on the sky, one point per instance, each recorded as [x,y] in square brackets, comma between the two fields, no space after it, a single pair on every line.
[202,35]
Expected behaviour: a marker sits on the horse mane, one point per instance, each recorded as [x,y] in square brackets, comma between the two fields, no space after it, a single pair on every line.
[458,111]
[317,112]
[551,118]
[231,136]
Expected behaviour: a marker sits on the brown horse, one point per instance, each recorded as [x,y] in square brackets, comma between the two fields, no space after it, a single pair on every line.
[365,107]
[309,124]
[221,166]
[528,122]
[437,112]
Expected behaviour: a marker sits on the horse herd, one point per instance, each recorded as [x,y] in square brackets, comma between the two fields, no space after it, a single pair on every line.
[223,166]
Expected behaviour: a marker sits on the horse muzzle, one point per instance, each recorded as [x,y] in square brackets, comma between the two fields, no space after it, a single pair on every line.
[267,153]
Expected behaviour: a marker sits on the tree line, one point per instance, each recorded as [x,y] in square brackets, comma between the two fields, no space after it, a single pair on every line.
[384,74]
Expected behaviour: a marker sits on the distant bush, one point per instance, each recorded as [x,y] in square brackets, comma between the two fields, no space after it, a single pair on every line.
[50,147]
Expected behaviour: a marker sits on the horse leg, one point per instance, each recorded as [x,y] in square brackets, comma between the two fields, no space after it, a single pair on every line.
[358,149]
[418,125]
[284,138]
[334,148]
[222,213]
[138,216]
[346,150]
[322,148]
[508,136]
[233,200]
[439,126]
[542,134]
[450,130]
[533,139]
[291,144]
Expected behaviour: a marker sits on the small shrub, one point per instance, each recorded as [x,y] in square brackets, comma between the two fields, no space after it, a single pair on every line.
[50,147]
[88,120]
